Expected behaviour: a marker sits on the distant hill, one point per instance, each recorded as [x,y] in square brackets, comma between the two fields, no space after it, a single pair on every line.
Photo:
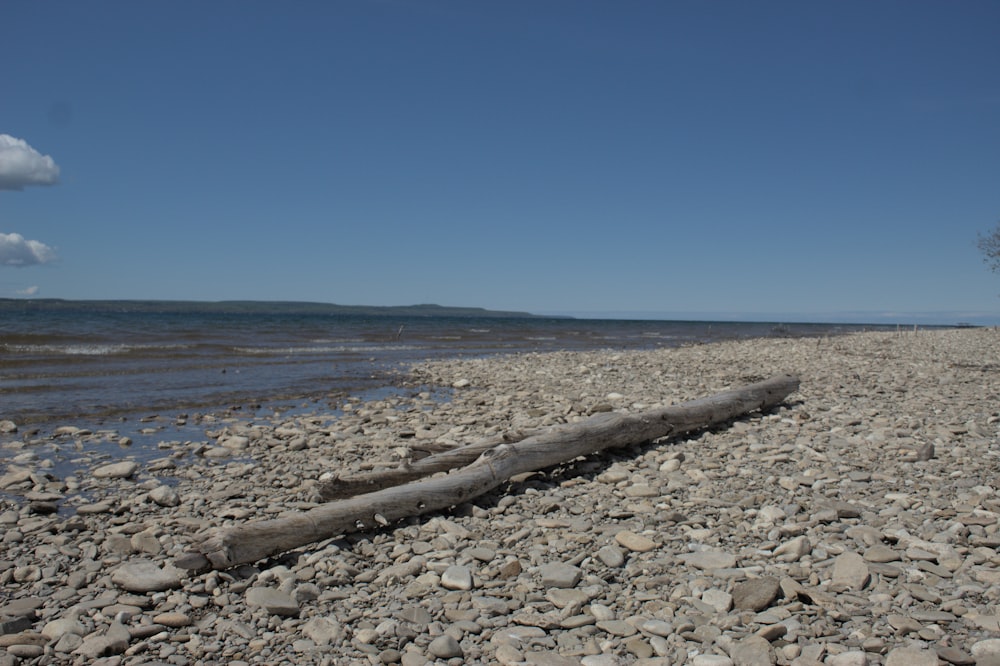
[253,307]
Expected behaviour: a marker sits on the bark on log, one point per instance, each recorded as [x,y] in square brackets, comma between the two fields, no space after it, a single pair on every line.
[242,544]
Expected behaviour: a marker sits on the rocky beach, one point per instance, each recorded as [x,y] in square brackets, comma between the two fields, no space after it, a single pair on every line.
[856,524]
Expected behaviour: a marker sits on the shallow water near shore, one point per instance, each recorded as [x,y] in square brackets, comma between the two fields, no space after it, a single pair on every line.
[102,365]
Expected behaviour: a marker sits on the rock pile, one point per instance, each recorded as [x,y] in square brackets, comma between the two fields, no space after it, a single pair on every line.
[857,524]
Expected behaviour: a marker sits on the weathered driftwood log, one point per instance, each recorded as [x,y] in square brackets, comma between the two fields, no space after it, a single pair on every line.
[250,542]
[342,487]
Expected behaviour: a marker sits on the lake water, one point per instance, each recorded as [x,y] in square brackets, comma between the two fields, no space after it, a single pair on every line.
[75,364]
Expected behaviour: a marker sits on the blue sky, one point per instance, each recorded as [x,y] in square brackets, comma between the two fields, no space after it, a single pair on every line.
[810,160]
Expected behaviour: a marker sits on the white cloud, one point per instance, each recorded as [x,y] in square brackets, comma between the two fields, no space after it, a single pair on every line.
[28,291]
[22,165]
[16,250]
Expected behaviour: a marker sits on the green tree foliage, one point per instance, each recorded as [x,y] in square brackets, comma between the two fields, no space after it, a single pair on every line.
[989,245]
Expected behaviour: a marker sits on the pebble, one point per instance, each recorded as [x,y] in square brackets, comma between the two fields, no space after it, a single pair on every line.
[445,647]
[558,574]
[119,470]
[273,601]
[756,594]
[815,533]
[709,559]
[635,542]
[850,572]
[457,577]
[145,576]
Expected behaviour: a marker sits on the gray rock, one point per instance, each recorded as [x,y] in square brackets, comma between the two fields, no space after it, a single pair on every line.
[611,556]
[881,554]
[165,496]
[849,572]
[323,631]
[989,647]
[711,660]
[273,601]
[558,574]
[911,656]
[793,549]
[445,647]
[709,559]
[56,629]
[718,599]
[457,577]
[756,594]
[635,542]
[145,576]
[752,651]
[118,470]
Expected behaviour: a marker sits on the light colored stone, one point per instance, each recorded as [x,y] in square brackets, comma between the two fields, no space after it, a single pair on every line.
[56,629]
[635,542]
[987,648]
[611,556]
[709,559]
[850,572]
[273,601]
[558,574]
[457,577]
[711,660]
[911,656]
[849,658]
[145,576]
[756,594]
[118,470]
[174,620]
[165,496]
[718,599]
[793,549]
[445,647]
[323,631]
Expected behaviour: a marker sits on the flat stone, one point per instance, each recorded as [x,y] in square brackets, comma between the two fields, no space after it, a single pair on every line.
[112,642]
[323,630]
[273,601]
[118,470]
[563,597]
[617,627]
[849,572]
[56,629]
[756,594]
[881,554]
[165,496]
[445,647]
[911,656]
[558,574]
[24,651]
[902,624]
[635,542]
[752,651]
[611,556]
[849,658]
[718,599]
[145,576]
[23,638]
[711,660]
[989,647]
[793,549]
[709,559]
[955,656]
[173,620]
[94,508]
[457,577]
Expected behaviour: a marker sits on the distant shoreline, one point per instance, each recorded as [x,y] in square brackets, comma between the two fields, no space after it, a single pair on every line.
[258,307]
